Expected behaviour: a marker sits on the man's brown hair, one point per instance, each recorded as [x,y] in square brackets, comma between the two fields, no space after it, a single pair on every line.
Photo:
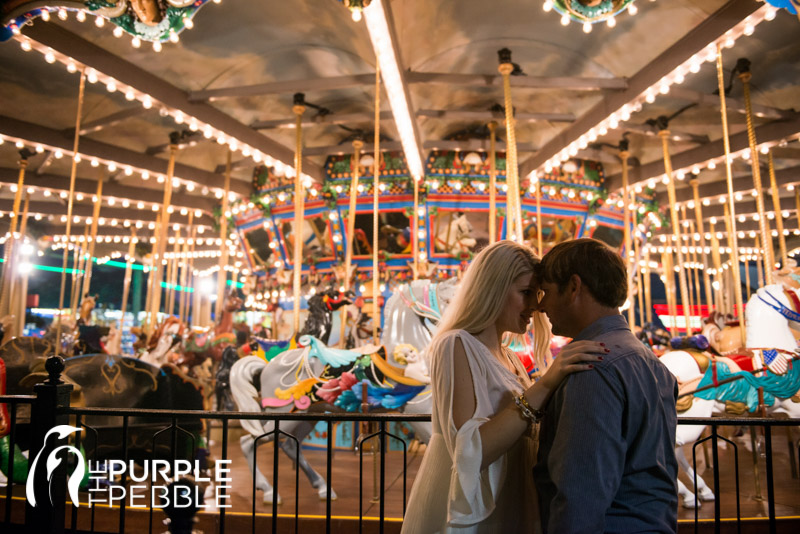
[600,268]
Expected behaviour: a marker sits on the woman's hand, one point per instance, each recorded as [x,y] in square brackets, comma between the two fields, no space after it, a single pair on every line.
[574,357]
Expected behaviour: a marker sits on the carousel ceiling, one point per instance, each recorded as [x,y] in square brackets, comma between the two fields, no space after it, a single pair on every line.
[221,77]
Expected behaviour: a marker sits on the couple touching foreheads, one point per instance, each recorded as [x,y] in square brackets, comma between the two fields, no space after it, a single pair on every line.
[602,415]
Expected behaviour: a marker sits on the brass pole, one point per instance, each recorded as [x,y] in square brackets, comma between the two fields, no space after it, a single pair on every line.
[19,290]
[513,205]
[747,290]
[730,209]
[669,281]
[763,223]
[639,286]
[715,255]
[9,266]
[185,274]
[126,286]
[358,144]
[87,278]
[664,135]
[173,279]
[79,264]
[162,239]
[415,230]
[223,233]
[776,204]
[696,269]
[299,208]
[698,212]
[647,299]
[759,257]
[376,178]
[70,199]
[493,182]
[626,222]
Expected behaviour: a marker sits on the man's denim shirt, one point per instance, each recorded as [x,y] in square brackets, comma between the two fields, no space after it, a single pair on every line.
[606,459]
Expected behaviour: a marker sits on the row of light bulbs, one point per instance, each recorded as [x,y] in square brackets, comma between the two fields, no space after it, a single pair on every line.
[148,102]
[721,235]
[677,76]
[112,166]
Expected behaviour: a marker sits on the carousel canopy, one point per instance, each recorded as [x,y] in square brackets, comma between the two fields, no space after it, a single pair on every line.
[220,77]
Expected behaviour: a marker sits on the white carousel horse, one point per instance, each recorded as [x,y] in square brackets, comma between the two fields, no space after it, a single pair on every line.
[456,236]
[286,383]
[413,311]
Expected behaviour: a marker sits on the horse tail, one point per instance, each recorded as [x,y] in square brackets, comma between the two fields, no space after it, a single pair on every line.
[245,392]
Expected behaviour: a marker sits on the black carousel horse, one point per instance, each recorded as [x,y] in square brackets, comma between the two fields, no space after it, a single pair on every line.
[109,381]
[222,384]
[320,316]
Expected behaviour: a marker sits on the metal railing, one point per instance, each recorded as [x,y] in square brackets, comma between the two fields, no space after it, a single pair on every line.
[50,406]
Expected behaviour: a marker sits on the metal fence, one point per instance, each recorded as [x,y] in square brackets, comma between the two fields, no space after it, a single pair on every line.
[50,407]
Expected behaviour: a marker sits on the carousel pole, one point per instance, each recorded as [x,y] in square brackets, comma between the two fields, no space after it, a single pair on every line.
[647,299]
[9,265]
[669,281]
[415,229]
[79,264]
[492,182]
[760,255]
[299,207]
[376,177]
[19,291]
[715,256]
[695,270]
[173,279]
[358,144]
[639,286]
[513,206]
[698,212]
[776,206]
[151,276]
[185,271]
[690,270]
[664,135]
[743,66]
[126,286]
[158,270]
[626,222]
[223,234]
[747,290]
[87,278]
[72,174]
[730,227]
[797,205]
[730,209]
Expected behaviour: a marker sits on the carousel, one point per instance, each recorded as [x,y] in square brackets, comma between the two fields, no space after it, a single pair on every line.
[218,207]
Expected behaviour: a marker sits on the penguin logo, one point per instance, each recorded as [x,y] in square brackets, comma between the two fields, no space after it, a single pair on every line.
[62,431]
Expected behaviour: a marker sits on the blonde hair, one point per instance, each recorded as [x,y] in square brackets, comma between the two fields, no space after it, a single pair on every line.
[482,294]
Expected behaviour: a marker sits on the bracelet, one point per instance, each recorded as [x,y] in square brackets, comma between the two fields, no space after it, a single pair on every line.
[530,413]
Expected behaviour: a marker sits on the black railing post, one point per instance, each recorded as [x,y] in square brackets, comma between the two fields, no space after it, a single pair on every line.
[50,495]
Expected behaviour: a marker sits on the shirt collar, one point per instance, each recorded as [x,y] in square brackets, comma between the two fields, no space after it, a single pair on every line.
[602,325]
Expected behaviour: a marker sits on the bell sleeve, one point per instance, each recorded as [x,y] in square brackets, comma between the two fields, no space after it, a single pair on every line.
[472,492]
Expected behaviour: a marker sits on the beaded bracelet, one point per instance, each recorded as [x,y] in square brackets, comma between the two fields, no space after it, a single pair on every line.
[527,411]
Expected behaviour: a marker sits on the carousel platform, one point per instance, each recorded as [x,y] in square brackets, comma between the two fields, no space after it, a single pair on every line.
[345,509]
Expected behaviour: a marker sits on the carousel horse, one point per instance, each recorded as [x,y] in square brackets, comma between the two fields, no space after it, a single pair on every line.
[222,382]
[251,369]
[455,236]
[167,337]
[198,347]
[102,380]
[413,311]
[696,369]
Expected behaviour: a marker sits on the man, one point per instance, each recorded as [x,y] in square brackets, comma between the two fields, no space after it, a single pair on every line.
[606,459]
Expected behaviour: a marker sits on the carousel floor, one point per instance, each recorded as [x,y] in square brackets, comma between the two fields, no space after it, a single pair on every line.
[345,475]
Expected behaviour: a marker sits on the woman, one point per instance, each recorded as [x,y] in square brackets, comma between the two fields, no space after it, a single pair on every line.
[476,473]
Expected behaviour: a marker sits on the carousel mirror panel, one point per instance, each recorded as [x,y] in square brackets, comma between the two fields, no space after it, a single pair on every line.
[459,231]
[258,246]
[394,234]
[555,230]
[317,241]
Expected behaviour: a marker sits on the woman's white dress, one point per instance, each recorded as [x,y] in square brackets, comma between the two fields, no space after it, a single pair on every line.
[451,493]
